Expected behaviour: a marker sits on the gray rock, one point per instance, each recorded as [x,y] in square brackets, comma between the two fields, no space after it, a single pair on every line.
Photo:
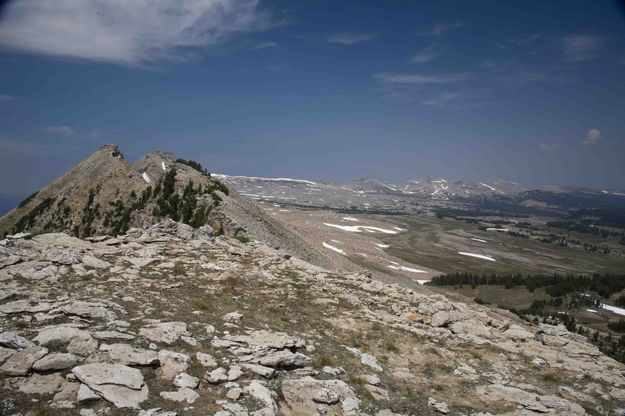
[234,393]
[106,335]
[284,358]
[20,363]
[121,385]
[206,360]
[25,305]
[56,361]
[263,395]
[58,334]
[92,261]
[128,355]
[186,380]
[216,376]
[13,340]
[440,407]
[261,370]
[5,353]
[41,384]
[83,345]
[304,395]
[183,394]
[370,361]
[172,363]
[85,394]
[165,332]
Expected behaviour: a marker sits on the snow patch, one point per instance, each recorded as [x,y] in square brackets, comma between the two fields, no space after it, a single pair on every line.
[614,309]
[406,269]
[501,230]
[382,245]
[163,166]
[145,177]
[422,282]
[357,228]
[331,247]
[488,186]
[477,256]
[479,240]
[350,219]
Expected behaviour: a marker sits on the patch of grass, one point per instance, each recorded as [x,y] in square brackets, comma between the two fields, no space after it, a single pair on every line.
[390,346]
[179,269]
[551,376]
[243,239]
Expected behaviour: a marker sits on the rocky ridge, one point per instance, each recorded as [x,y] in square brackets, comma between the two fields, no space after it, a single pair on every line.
[169,320]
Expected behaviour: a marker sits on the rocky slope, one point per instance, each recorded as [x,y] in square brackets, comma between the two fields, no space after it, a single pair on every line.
[168,320]
[105,194]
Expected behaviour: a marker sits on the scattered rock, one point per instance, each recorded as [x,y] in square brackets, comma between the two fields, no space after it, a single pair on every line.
[183,394]
[186,380]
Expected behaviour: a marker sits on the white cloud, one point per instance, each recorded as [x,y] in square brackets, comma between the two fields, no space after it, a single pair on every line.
[440,29]
[426,55]
[592,137]
[6,98]
[64,130]
[549,147]
[126,32]
[265,45]
[581,47]
[350,38]
[420,78]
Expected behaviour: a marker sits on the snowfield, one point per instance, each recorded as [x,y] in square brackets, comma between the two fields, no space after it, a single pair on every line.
[145,177]
[357,228]
[477,256]
[331,247]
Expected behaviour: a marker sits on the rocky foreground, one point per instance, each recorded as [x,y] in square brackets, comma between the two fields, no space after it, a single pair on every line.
[167,320]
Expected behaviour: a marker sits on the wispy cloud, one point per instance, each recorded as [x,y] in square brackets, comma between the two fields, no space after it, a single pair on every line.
[94,134]
[592,137]
[549,147]
[440,29]
[265,45]
[5,98]
[426,55]
[582,47]
[420,78]
[64,130]
[127,32]
[350,38]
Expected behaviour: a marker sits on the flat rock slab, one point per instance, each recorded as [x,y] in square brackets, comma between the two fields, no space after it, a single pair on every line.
[20,363]
[121,385]
[13,340]
[41,384]
[128,355]
[25,305]
[165,332]
[56,361]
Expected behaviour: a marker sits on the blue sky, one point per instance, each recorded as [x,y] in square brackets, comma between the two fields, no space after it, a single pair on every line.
[529,91]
